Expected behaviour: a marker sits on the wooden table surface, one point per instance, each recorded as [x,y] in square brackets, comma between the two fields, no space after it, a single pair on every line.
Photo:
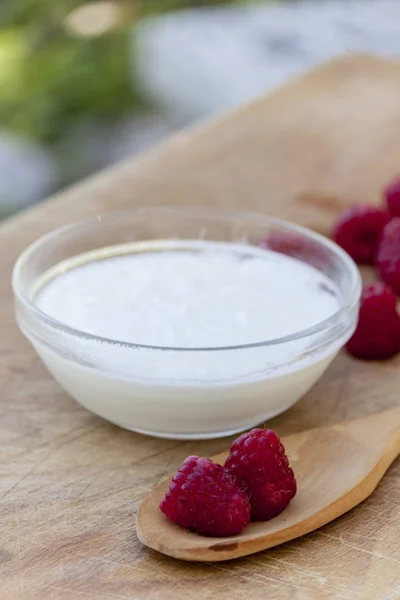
[70,483]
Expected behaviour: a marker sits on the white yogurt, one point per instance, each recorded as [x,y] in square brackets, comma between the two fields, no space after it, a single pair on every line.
[188,295]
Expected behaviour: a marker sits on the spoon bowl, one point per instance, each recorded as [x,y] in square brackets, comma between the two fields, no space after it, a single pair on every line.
[337,467]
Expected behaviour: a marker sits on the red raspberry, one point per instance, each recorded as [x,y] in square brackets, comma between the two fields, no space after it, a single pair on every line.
[358,231]
[259,465]
[377,335]
[285,243]
[204,498]
[392,196]
[296,246]
[388,255]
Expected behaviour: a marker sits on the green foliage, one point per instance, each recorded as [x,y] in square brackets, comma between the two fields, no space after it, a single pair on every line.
[62,82]
[51,77]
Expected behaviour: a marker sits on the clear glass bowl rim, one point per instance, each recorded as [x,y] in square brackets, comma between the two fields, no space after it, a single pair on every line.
[350,300]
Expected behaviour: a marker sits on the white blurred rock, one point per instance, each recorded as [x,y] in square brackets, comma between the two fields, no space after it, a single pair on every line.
[94,144]
[204,61]
[136,134]
[27,172]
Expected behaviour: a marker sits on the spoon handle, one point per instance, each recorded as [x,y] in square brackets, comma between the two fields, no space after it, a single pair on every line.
[385,422]
[380,431]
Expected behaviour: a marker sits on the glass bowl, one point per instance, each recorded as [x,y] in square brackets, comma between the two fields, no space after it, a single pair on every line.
[185,393]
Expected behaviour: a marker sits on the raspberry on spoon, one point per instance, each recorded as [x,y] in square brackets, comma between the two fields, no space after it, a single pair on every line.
[358,231]
[377,335]
[392,197]
[259,465]
[204,498]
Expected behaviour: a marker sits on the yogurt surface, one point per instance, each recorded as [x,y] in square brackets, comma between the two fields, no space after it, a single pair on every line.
[187,294]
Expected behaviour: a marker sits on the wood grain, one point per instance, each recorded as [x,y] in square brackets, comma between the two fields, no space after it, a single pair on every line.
[70,483]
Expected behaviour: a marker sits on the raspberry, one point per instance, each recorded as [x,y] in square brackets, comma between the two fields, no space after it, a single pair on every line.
[388,255]
[392,196]
[358,231]
[259,465]
[377,335]
[296,246]
[285,243]
[204,498]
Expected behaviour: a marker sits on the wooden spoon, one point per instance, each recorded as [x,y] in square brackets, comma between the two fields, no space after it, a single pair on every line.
[337,467]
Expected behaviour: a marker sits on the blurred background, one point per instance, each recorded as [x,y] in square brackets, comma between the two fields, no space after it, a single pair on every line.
[84,84]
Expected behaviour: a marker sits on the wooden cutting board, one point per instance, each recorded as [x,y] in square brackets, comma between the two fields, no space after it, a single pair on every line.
[70,483]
